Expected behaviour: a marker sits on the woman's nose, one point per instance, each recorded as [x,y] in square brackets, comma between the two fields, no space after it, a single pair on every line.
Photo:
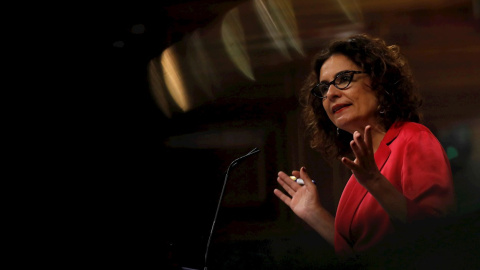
[333,91]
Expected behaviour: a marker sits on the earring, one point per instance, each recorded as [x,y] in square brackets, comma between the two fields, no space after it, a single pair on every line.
[338,131]
[380,109]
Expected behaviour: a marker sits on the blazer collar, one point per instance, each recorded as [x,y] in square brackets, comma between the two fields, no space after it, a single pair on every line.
[357,192]
[383,151]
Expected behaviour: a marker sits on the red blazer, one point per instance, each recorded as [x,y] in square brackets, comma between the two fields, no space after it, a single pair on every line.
[414,161]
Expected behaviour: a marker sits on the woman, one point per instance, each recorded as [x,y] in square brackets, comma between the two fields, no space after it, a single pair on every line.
[361,107]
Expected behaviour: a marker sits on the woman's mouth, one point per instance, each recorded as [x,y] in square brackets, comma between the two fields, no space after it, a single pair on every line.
[339,107]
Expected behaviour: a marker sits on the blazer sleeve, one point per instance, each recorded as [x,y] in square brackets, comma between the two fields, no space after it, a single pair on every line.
[426,178]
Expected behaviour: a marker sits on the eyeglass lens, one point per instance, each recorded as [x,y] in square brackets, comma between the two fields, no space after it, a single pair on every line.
[342,80]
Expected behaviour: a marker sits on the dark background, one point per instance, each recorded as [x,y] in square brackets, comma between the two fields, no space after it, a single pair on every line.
[162,181]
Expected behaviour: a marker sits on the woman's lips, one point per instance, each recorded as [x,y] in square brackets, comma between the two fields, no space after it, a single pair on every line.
[339,107]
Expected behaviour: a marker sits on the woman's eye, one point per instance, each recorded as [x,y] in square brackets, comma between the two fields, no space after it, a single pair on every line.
[344,78]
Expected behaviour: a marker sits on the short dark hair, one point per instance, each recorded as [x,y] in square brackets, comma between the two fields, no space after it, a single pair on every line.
[392,82]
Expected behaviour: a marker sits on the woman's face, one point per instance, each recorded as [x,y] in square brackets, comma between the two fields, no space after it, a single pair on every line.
[355,107]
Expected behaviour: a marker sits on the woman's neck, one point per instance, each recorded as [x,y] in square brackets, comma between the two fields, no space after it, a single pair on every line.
[378,132]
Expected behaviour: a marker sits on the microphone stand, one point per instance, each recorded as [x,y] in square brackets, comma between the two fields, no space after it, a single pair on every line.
[253,151]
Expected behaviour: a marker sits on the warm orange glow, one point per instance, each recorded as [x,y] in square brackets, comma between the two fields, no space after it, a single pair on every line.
[174,79]
[157,86]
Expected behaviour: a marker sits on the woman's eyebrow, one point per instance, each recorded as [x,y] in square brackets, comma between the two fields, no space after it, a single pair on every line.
[336,75]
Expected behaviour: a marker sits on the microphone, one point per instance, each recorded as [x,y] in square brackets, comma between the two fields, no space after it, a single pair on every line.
[233,164]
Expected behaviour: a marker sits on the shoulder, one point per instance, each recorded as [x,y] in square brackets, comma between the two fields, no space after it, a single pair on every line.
[412,127]
[406,131]
[417,136]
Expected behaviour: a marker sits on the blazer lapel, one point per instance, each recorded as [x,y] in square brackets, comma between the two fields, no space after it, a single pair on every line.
[357,192]
[383,151]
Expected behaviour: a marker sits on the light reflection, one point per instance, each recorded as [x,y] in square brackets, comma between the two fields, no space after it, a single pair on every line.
[278,19]
[288,25]
[157,86]
[138,29]
[199,68]
[352,10]
[174,79]
[233,38]
[203,71]
[271,27]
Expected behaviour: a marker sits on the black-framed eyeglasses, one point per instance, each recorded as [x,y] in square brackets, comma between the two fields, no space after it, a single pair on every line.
[341,81]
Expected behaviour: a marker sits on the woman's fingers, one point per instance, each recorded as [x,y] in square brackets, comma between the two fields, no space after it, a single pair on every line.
[355,148]
[350,164]
[368,137]
[306,178]
[361,147]
[287,183]
[282,196]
